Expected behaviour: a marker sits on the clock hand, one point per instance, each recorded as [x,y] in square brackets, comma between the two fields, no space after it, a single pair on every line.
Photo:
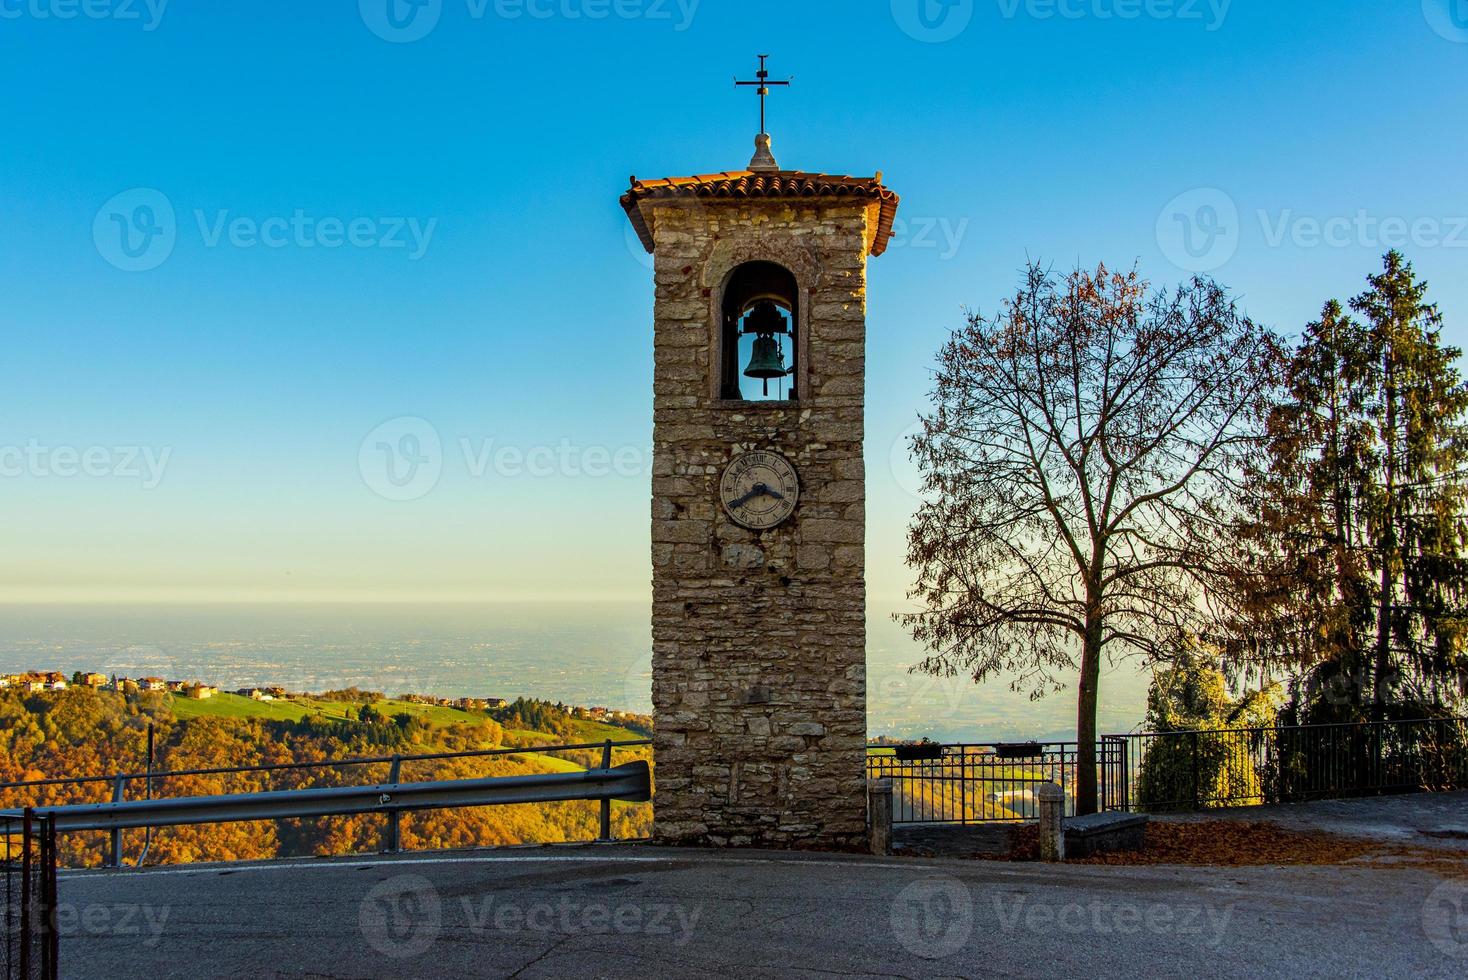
[759,488]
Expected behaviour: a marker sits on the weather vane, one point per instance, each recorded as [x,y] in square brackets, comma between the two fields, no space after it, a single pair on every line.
[764,84]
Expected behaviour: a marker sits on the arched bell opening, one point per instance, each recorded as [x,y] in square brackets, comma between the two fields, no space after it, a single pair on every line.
[761,342]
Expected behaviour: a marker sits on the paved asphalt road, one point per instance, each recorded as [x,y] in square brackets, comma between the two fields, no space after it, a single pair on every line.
[585,912]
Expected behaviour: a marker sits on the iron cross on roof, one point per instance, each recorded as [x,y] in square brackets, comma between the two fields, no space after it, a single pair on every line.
[764,84]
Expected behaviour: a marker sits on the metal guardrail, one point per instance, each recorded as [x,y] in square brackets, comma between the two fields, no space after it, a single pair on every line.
[630,782]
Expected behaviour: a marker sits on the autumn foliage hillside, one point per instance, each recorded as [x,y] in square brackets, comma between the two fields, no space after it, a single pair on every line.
[85,732]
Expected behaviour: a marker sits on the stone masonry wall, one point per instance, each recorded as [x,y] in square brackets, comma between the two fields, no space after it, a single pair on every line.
[759,639]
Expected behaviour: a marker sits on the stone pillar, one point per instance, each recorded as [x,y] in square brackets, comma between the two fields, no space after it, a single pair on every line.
[1052,822]
[879,815]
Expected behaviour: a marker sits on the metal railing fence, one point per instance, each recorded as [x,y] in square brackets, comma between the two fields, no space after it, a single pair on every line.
[972,782]
[391,796]
[1197,770]
[1184,770]
[30,948]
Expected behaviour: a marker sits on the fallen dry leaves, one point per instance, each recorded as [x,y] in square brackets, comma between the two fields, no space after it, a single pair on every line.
[1234,843]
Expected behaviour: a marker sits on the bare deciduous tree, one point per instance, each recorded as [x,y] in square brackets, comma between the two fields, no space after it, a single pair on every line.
[1082,470]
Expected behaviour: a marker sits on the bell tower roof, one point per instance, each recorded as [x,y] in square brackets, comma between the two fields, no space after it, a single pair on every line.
[764,184]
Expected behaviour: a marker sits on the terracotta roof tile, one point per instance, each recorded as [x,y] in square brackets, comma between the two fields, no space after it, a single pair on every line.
[743,184]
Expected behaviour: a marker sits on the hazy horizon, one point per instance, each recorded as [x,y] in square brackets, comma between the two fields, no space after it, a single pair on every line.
[596,653]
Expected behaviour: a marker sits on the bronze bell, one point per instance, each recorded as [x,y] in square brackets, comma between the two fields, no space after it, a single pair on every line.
[767,361]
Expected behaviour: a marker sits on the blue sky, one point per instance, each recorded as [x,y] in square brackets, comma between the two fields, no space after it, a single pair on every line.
[367,228]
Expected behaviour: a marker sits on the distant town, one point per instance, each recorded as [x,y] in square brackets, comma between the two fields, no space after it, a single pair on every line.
[39,681]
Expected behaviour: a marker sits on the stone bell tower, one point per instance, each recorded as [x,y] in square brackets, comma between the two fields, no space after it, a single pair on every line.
[759,500]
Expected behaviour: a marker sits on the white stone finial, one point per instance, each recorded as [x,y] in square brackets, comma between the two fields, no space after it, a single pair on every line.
[764,160]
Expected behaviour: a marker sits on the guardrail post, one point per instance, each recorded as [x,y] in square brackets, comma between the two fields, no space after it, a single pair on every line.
[119,792]
[879,806]
[606,805]
[1052,826]
[394,817]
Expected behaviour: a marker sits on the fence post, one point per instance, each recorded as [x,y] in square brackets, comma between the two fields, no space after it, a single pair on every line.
[119,793]
[50,927]
[1197,795]
[1126,774]
[879,808]
[395,817]
[1052,822]
[963,785]
[606,805]
[1379,777]
[25,893]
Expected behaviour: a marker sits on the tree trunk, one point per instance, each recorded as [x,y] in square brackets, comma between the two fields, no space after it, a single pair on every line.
[1085,784]
[1387,554]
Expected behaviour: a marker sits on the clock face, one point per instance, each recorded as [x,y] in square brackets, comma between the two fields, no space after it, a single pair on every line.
[760,490]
